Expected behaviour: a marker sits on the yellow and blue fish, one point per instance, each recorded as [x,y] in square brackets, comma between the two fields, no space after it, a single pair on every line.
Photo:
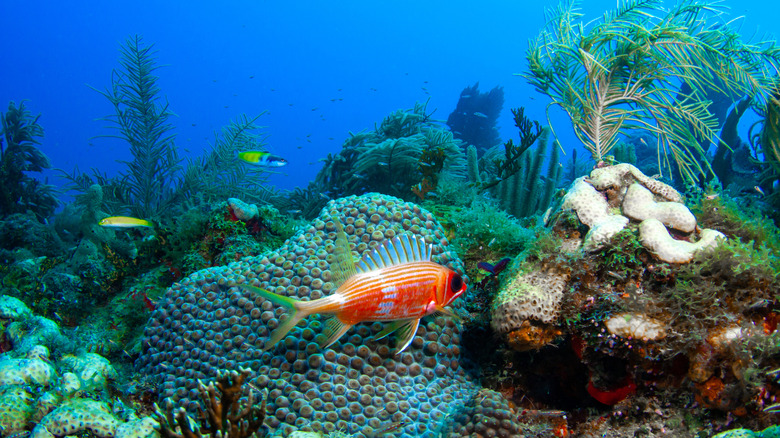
[124,222]
[396,283]
[263,159]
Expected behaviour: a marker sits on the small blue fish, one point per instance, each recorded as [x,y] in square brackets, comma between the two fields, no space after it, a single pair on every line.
[494,269]
[479,114]
[263,159]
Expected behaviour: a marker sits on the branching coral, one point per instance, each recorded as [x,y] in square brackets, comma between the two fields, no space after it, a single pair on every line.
[219,174]
[225,416]
[154,182]
[625,72]
[511,162]
[19,153]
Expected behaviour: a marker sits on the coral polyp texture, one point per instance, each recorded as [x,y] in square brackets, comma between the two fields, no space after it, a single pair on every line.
[527,305]
[206,323]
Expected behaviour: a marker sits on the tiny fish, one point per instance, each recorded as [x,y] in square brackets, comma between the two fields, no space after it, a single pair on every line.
[479,114]
[758,189]
[390,428]
[543,413]
[494,269]
[396,283]
[465,96]
[263,159]
[124,222]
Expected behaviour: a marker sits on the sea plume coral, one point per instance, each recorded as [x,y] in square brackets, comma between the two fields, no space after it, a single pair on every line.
[142,121]
[626,72]
[19,153]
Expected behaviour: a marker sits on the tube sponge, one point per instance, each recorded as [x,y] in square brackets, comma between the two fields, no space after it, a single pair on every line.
[655,237]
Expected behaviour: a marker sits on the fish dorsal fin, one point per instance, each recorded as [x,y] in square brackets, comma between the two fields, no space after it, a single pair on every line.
[343,266]
[400,249]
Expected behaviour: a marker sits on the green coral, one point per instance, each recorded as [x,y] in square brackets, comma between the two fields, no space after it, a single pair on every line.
[484,226]
[736,219]
[393,158]
[623,253]
[769,432]
[19,154]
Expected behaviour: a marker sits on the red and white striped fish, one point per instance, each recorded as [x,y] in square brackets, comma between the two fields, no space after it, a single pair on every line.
[395,283]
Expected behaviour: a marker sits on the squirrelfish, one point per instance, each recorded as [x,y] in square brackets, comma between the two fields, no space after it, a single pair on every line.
[263,159]
[396,283]
[124,222]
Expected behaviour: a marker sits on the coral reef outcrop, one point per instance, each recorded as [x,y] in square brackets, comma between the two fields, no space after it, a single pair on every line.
[611,196]
[206,323]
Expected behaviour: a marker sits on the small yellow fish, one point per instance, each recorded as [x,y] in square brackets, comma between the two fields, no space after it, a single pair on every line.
[124,222]
[260,158]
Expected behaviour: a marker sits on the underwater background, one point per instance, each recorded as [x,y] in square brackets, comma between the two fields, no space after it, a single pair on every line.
[601,177]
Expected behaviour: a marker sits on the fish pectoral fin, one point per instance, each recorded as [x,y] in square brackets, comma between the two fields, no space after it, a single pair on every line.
[334,329]
[406,333]
[447,312]
[390,327]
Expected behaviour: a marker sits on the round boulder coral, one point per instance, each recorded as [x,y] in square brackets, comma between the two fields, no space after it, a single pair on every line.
[526,304]
[206,323]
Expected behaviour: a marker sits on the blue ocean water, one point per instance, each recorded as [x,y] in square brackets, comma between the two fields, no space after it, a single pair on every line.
[320,69]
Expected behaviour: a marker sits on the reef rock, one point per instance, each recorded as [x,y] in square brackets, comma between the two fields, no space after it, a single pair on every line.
[636,326]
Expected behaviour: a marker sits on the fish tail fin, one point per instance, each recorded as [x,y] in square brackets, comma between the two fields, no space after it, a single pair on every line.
[295,313]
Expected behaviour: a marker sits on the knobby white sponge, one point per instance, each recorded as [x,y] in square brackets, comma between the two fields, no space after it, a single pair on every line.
[601,233]
[590,205]
[655,237]
[592,210]
[638,204]
[620,176]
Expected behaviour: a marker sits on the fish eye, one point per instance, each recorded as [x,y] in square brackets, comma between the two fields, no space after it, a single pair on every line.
[456,283]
